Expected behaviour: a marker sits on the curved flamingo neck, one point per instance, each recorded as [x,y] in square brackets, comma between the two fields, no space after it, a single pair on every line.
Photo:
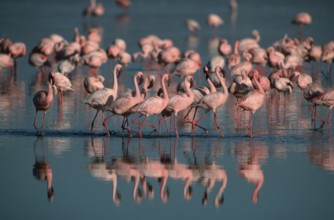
[222,187]
[136,85]
[115,86]
[164,89]
[188,90]
[50,93]
[258,85]
[222,82]
[212,87]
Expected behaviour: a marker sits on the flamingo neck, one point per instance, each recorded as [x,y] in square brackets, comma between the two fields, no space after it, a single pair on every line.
[222,188]
[50,93]
[115,86]
[236,47]
[212,87]
[258,85]
[222,82]
[163,85]
[136,86]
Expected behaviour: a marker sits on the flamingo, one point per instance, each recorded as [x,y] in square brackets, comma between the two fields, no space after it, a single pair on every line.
[249,43]
[182,101]
[104,96]
[234,58]
[152,105]
[302,18]
[125,102]
[214,21]
[4,45]
[253,100]
[193,26]
[62,83]
[213,101]
[224,48]
[310,93]
[124,3]
[275,58]
[326,99]
[42,101]
[186,67]
[17,50]
[6,61]
[209,69]
[92,83]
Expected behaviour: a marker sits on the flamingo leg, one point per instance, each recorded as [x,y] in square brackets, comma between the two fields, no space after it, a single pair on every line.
[35,122]
[92,125]
[105,124]
[198,121]
[128,127]
[43,122]
[217,125]
[175,127]
[329,118]
[140,126]
[104,121]
[251,124]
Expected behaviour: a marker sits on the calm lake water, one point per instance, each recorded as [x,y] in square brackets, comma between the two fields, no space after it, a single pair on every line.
[284,172]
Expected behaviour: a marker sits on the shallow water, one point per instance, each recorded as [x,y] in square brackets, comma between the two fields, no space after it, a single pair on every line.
[294,160]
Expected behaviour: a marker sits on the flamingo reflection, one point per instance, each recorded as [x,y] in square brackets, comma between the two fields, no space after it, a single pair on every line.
[42,170]
[250,170]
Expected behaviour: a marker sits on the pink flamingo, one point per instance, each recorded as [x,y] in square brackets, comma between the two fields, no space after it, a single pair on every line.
[99,99]
[253,100]
[275,58]
[17,50]
[326,99]
[328,54]
[186,67]
[224,48]
[152,105]
[213,101]
[214,21]
[310,93]
[234,58]
[124,58]
[92,83]
[6,61]
[249,43]
[181,101]
[124,3]
[4,45]
[193,26]
[126,101]
[246,66]
[42,101]
[62,84]
[302,18]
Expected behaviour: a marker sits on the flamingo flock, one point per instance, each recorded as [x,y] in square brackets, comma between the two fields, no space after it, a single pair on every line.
[243,70]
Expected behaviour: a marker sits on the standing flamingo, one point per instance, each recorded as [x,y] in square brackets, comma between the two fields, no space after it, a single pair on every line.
[152,105]
[125,102]
[193,26]
[213,101]
[181,101]
[253,100]
[326,99]
[42,101]
[102,97]
[62,83]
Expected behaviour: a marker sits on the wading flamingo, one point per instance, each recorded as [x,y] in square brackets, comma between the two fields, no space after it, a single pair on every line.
[42,101]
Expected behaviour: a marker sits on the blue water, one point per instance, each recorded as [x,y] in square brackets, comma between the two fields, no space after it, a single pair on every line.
[295,158]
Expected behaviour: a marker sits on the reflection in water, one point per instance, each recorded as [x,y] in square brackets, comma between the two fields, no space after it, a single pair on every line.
[101,170]
[322,156]
[42,169]
[250,169]
[162,168]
